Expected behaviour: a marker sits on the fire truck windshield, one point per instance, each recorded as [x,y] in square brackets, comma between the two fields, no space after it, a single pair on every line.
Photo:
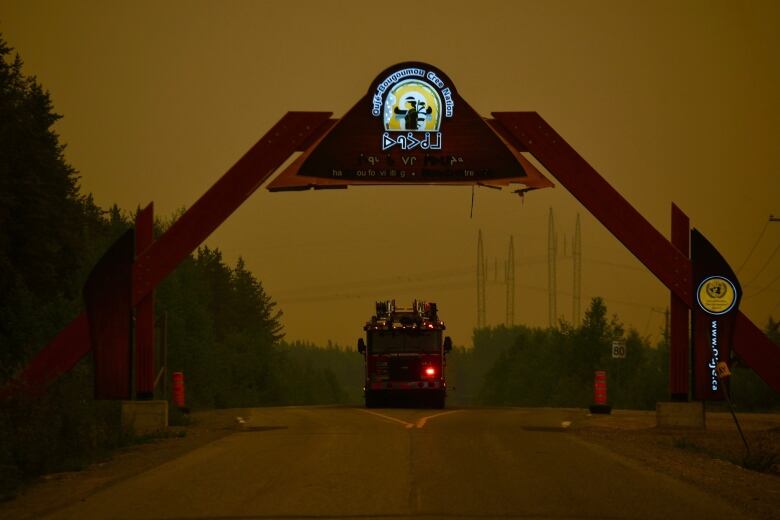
[404,340]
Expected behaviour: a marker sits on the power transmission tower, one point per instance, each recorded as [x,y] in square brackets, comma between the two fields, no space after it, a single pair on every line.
[552,251]
[577,286]
[510,284]
[481,282]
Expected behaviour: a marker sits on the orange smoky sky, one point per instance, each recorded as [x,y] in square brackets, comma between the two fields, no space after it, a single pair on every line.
[670,101]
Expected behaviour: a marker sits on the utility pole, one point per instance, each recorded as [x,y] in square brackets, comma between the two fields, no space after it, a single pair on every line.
[577,285]
[510,284]
[552,249]
[481,279]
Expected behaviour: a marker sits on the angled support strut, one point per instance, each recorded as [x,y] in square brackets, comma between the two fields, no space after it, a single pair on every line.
[528,131]
[294,132]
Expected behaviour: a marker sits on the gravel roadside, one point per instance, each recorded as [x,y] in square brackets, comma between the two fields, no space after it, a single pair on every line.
[52,492]
[710,459]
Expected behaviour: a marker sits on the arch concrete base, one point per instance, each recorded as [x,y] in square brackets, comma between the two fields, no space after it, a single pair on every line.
[145,417]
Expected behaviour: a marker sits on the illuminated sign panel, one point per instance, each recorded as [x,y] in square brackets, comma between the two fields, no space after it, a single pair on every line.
[411,127]
[717,299]
[409,106]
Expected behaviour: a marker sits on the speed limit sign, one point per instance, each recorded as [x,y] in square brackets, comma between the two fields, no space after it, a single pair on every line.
[619,349]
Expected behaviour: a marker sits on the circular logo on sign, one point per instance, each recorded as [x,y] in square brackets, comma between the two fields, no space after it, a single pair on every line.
[412,105]
[716,295]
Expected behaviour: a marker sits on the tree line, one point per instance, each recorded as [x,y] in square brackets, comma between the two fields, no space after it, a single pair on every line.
[555,366]
[225,334]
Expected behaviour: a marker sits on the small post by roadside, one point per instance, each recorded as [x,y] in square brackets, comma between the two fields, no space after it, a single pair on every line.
[161,381]
[600,394]
[724,373]
[178,390]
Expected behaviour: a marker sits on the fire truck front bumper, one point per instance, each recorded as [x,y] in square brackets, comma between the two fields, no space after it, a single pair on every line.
[405,385]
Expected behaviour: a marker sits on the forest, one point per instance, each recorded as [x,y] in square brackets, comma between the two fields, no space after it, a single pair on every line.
[224,331]
[533,366]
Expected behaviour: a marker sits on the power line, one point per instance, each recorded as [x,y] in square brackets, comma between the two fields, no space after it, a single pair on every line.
[386,281]
[446,287]
[614,264]
[767,286]
[552,249]
[319,291]
[371,289]
[768,260]
[324,292]
[423,276]
[440,287]
[752,249]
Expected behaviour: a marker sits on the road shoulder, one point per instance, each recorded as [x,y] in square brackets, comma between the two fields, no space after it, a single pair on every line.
[56,491]
[703,458]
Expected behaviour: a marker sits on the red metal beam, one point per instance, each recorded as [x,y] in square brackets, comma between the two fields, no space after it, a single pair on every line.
[757,351]
[292,133]
[107,295]
[59,356]
[679,345]
[144,313]
[529,131]
[601,199]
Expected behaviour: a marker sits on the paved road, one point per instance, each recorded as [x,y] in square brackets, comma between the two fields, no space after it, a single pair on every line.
[323,462]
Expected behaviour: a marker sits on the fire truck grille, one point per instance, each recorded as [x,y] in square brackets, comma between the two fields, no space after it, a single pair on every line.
[404,369]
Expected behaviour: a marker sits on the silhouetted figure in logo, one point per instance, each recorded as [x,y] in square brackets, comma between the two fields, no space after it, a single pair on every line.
[410,119]
[418,112]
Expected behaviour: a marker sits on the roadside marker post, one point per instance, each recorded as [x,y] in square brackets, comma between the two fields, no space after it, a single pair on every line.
[722,369]
[178,389]
[600,394]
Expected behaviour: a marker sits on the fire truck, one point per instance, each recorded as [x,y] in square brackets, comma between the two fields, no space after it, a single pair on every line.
[405,356]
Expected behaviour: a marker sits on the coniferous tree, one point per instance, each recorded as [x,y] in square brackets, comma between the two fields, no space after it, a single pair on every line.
[254,308]
[45,224]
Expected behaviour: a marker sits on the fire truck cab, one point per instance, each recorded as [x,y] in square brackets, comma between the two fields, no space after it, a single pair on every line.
[405,356]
